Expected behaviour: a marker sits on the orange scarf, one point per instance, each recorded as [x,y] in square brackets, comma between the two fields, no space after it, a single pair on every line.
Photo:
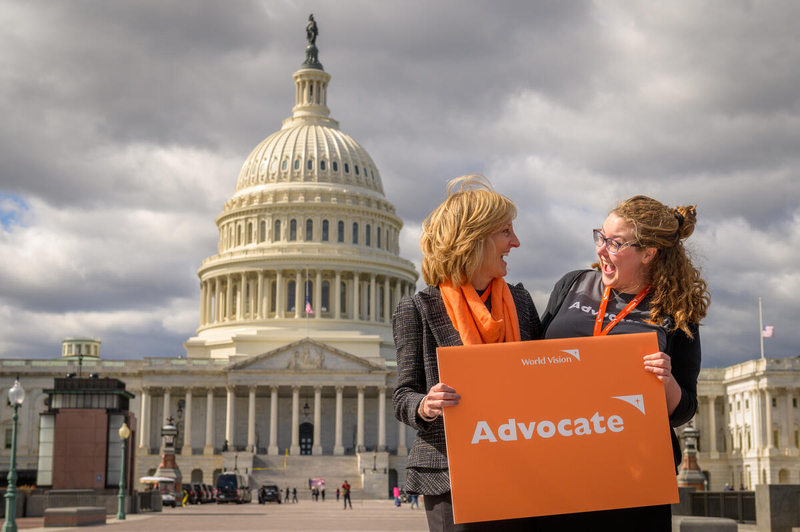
[473,321]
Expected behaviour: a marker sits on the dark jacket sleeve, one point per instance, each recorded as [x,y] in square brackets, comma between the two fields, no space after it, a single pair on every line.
[411,384]
[529,324]
[685,356]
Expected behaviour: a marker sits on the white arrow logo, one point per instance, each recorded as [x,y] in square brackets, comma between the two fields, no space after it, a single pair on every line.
[635,400]
[573,352]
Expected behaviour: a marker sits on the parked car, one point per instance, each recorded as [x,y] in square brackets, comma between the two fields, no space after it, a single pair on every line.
[201,495]
[166,486]
[269,493]
[233,487]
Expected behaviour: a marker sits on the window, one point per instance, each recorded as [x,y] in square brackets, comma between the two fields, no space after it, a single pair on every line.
[346,168]
[273,297]
[263,166]
[797,438]
[774,402]
[335,166]
[309,230]
[343,297]
[310,164]
[273,166]
[250,233]
[9,435]
[285,164]
[381,296]
[290,296]
[297,164]
[341,239]
[738,405]
[276,236]
[326,291]
[239,237]
[746,403]
[47,426]
[794,402]
[379,237]
[322,165]
[749,443]
[293,230]
[263,235]
[324,230]
[367,236]
[775,436]
[235,297]
[355,233]
[356,167]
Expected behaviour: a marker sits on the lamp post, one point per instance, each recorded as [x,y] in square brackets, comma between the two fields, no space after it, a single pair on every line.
[124,433]
[16,395]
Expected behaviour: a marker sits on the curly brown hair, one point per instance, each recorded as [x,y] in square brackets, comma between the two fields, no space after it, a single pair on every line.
[454,235]
[679,292]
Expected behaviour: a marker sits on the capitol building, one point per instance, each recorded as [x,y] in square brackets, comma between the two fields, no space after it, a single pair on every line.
[290,373]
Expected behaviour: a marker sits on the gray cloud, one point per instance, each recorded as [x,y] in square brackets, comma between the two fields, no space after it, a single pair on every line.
[125,125]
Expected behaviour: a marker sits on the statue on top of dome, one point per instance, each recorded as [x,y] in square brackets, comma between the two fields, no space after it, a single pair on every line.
[311,50]
[311,30]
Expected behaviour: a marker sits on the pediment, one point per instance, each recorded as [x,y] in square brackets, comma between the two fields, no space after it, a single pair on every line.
[306,355]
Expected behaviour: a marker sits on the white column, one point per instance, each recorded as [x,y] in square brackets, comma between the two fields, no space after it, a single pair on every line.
[397,293]
[240,301]
[267,297]
[402,449]
[789,419]
[260,313]
[373,298]
[299,294]
[318,297]
[337,301]
[387,301]
[712,423]
[229,419]
[252,298]
[229,298]
[768,409]
[280,304]
[356,296]
[208,448]
[209,315]
[218,317]
[165,412]
[316,448]
[251,420]
[202,303]
[144,416]
[360,426]
[338,448]
[295,448]
[187,425]
[273,421]
[381,418]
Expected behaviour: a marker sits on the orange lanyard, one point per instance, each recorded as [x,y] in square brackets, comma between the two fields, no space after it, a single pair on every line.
[601,312]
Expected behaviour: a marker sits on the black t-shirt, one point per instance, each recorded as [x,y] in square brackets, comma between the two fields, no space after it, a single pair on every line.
[577,314]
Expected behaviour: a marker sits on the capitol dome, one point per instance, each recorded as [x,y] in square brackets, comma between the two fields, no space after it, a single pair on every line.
[307,235]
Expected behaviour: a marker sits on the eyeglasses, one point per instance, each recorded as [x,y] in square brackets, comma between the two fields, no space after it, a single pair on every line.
[612,245]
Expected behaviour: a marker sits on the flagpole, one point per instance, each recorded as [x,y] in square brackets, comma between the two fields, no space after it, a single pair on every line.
[306,291]
[761,327]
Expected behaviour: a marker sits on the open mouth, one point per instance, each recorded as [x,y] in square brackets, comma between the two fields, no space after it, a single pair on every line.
[607,267]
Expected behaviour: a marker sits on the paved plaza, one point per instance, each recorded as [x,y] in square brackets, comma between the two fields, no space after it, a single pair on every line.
[303,516]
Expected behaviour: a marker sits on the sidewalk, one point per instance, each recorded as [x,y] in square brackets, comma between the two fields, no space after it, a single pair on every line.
[374,516]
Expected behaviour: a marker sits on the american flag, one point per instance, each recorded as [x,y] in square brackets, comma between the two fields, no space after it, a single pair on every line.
[768,332]
[309,309]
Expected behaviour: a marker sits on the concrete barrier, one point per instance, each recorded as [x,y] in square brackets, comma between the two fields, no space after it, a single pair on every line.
[688,523]
[76,516]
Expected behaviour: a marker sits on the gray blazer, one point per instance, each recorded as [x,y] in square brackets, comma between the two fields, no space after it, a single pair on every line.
[421,324]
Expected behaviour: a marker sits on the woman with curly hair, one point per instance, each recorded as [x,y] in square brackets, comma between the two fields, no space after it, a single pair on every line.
[465,242]
[643,281]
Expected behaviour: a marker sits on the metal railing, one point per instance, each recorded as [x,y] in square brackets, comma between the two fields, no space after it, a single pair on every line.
[737,505]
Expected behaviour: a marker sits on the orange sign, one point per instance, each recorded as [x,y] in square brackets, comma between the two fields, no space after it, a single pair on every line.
[556,426]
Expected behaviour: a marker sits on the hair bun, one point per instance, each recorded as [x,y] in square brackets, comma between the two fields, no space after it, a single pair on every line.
[687,218]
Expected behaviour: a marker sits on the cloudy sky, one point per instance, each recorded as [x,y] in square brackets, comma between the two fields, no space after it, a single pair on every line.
[124,126]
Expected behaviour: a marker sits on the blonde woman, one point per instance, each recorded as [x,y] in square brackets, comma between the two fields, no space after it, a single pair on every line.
[643,281]
[465,243]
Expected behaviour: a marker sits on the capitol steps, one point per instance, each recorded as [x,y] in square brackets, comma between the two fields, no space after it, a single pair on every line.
[296,470]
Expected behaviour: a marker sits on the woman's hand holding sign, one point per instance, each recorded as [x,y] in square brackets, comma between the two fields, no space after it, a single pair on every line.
[439,396]
[660,365]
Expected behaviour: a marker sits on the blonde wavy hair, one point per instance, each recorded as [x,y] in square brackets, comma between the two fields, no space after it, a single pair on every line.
[678,290]
[454,236]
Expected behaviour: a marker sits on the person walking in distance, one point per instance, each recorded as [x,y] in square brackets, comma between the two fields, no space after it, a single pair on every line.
[346,495]
[337,494]
[294,495]
[287,495]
